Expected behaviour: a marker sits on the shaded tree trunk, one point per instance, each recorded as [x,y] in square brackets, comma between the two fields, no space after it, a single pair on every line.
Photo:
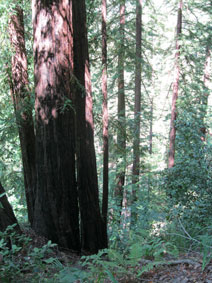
[151,127]
[204,100]
[19,85]
[121,134]
[172,135]
[56,213]
[93,235]
[137,102]
[105,114]
[7,216]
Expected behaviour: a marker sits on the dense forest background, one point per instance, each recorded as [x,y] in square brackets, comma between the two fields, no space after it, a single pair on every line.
[141,183]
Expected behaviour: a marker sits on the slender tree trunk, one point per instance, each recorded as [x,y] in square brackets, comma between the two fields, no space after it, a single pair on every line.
[105,114]
[204,101]
[21,98]
[93,235]
[137,104]
[7,216]
[56,206]
[172,135]
[121,135]
[151,127]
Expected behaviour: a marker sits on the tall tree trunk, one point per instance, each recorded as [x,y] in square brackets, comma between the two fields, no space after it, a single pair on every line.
[105,114]
[137,104]
[56,207]
[172,135]
[204,100]
[21,98]
[7,216]
[121,135]
[93,236]
[151,127]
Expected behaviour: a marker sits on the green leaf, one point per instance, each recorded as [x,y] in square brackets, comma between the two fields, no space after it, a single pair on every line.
[111,277]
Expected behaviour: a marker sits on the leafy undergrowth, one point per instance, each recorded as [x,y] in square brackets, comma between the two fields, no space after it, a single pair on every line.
[30,258]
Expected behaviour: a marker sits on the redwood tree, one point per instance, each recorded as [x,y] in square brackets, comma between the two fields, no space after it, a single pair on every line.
[104,114]
[19,86]
[172,135]
[56,205]
[137,104]
[121,135]
[93,235]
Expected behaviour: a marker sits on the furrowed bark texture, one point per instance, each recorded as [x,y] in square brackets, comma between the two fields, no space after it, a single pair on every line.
[121,135]
[19,85]
[104,114]
[172,135]
[56,205]
[93,236]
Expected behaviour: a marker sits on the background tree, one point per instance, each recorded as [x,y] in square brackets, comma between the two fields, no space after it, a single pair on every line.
[175,90]
[137,105]
[105,114]
[20,90]
[121,133]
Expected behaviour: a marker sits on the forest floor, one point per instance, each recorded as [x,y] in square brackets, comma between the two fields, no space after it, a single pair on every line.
[187,268]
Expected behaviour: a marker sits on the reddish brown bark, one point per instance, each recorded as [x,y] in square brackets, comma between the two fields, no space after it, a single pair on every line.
[22,105]
[104,114]
[56,206]
[172,135]
[93,235]
[137,110]
[121,135]
[137,101]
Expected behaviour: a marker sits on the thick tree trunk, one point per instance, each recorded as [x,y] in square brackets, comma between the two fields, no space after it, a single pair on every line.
[7,216]
[172,135]
[121,135]
[137,104]
[56,206]
[21,98]
[93,235]
[104,114]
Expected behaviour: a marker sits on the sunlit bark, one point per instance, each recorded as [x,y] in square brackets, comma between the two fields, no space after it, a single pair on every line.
[172,135]
[56,206]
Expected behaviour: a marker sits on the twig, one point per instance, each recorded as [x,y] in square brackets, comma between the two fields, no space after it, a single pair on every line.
[191,238]
[171,262]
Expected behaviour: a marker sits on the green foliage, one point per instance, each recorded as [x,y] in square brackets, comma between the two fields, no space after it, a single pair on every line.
[19,257]
[163,196]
